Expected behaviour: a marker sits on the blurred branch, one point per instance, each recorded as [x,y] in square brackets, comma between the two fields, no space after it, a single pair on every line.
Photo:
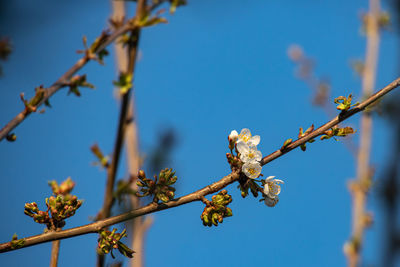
[389,189]
[320,87]
[305,72]
[199,194]
[137,226]
[5,50]
[361,186]
[335,121]
[65,78]
[112,170]
[55,249]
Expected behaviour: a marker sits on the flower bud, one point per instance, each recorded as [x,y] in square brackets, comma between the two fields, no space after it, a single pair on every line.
[141,174]
[233,136]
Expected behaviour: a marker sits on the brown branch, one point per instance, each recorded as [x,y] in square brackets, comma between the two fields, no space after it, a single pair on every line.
[138,226]
[55,249]
[97,226]
[360,187]
[64,79]
[341,117]
[306,73]
[112,170]
[199,194]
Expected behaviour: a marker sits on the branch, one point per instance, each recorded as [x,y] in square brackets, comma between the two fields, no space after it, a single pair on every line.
[97,226]
[64,79]
[341,117]
[360,187]
[199,194]
[55,249]
[112,169]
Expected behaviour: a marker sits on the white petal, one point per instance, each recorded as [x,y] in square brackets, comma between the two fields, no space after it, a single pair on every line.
[254,141]
[252,169]
[245,135]
[245,131]
[269,178]
[244,158]
[279,181]
[258,155]
[266,189]
[242,147]
[234,133]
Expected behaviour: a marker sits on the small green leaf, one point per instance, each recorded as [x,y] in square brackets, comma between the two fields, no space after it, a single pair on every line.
[286,143]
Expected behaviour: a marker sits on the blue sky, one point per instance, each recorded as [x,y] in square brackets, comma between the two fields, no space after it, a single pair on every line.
[216,66]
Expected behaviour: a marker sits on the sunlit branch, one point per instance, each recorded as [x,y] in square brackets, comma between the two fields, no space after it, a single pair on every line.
[199,194]
[65,78]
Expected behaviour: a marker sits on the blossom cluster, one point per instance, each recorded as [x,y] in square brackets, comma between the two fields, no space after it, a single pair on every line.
[246,146]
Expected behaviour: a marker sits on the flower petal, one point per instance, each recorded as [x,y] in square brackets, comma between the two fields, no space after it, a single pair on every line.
[266,189]
[252,169]
[242,147]
[234,133]
[269,178]
[245,131]
[254,141]
[245,135]
[258,155]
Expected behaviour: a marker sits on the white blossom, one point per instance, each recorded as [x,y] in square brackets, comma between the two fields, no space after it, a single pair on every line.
[246,137]
[272,187]
[251,169]
[248,153]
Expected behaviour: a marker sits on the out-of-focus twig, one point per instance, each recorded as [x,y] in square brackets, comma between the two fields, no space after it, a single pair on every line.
[320,87]
[390,189]
[65,78]
[361,186]
[55,249]
[138,226]
[112,169]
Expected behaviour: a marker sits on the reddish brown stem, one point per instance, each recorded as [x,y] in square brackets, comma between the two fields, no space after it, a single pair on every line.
[199,194]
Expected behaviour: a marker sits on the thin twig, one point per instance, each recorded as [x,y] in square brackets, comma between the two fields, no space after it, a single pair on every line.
[112,170]
[197,195]
[55,249]
[359,189]
[60,83]
[343,116]
[97,226]
[64,79]
[138,226]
